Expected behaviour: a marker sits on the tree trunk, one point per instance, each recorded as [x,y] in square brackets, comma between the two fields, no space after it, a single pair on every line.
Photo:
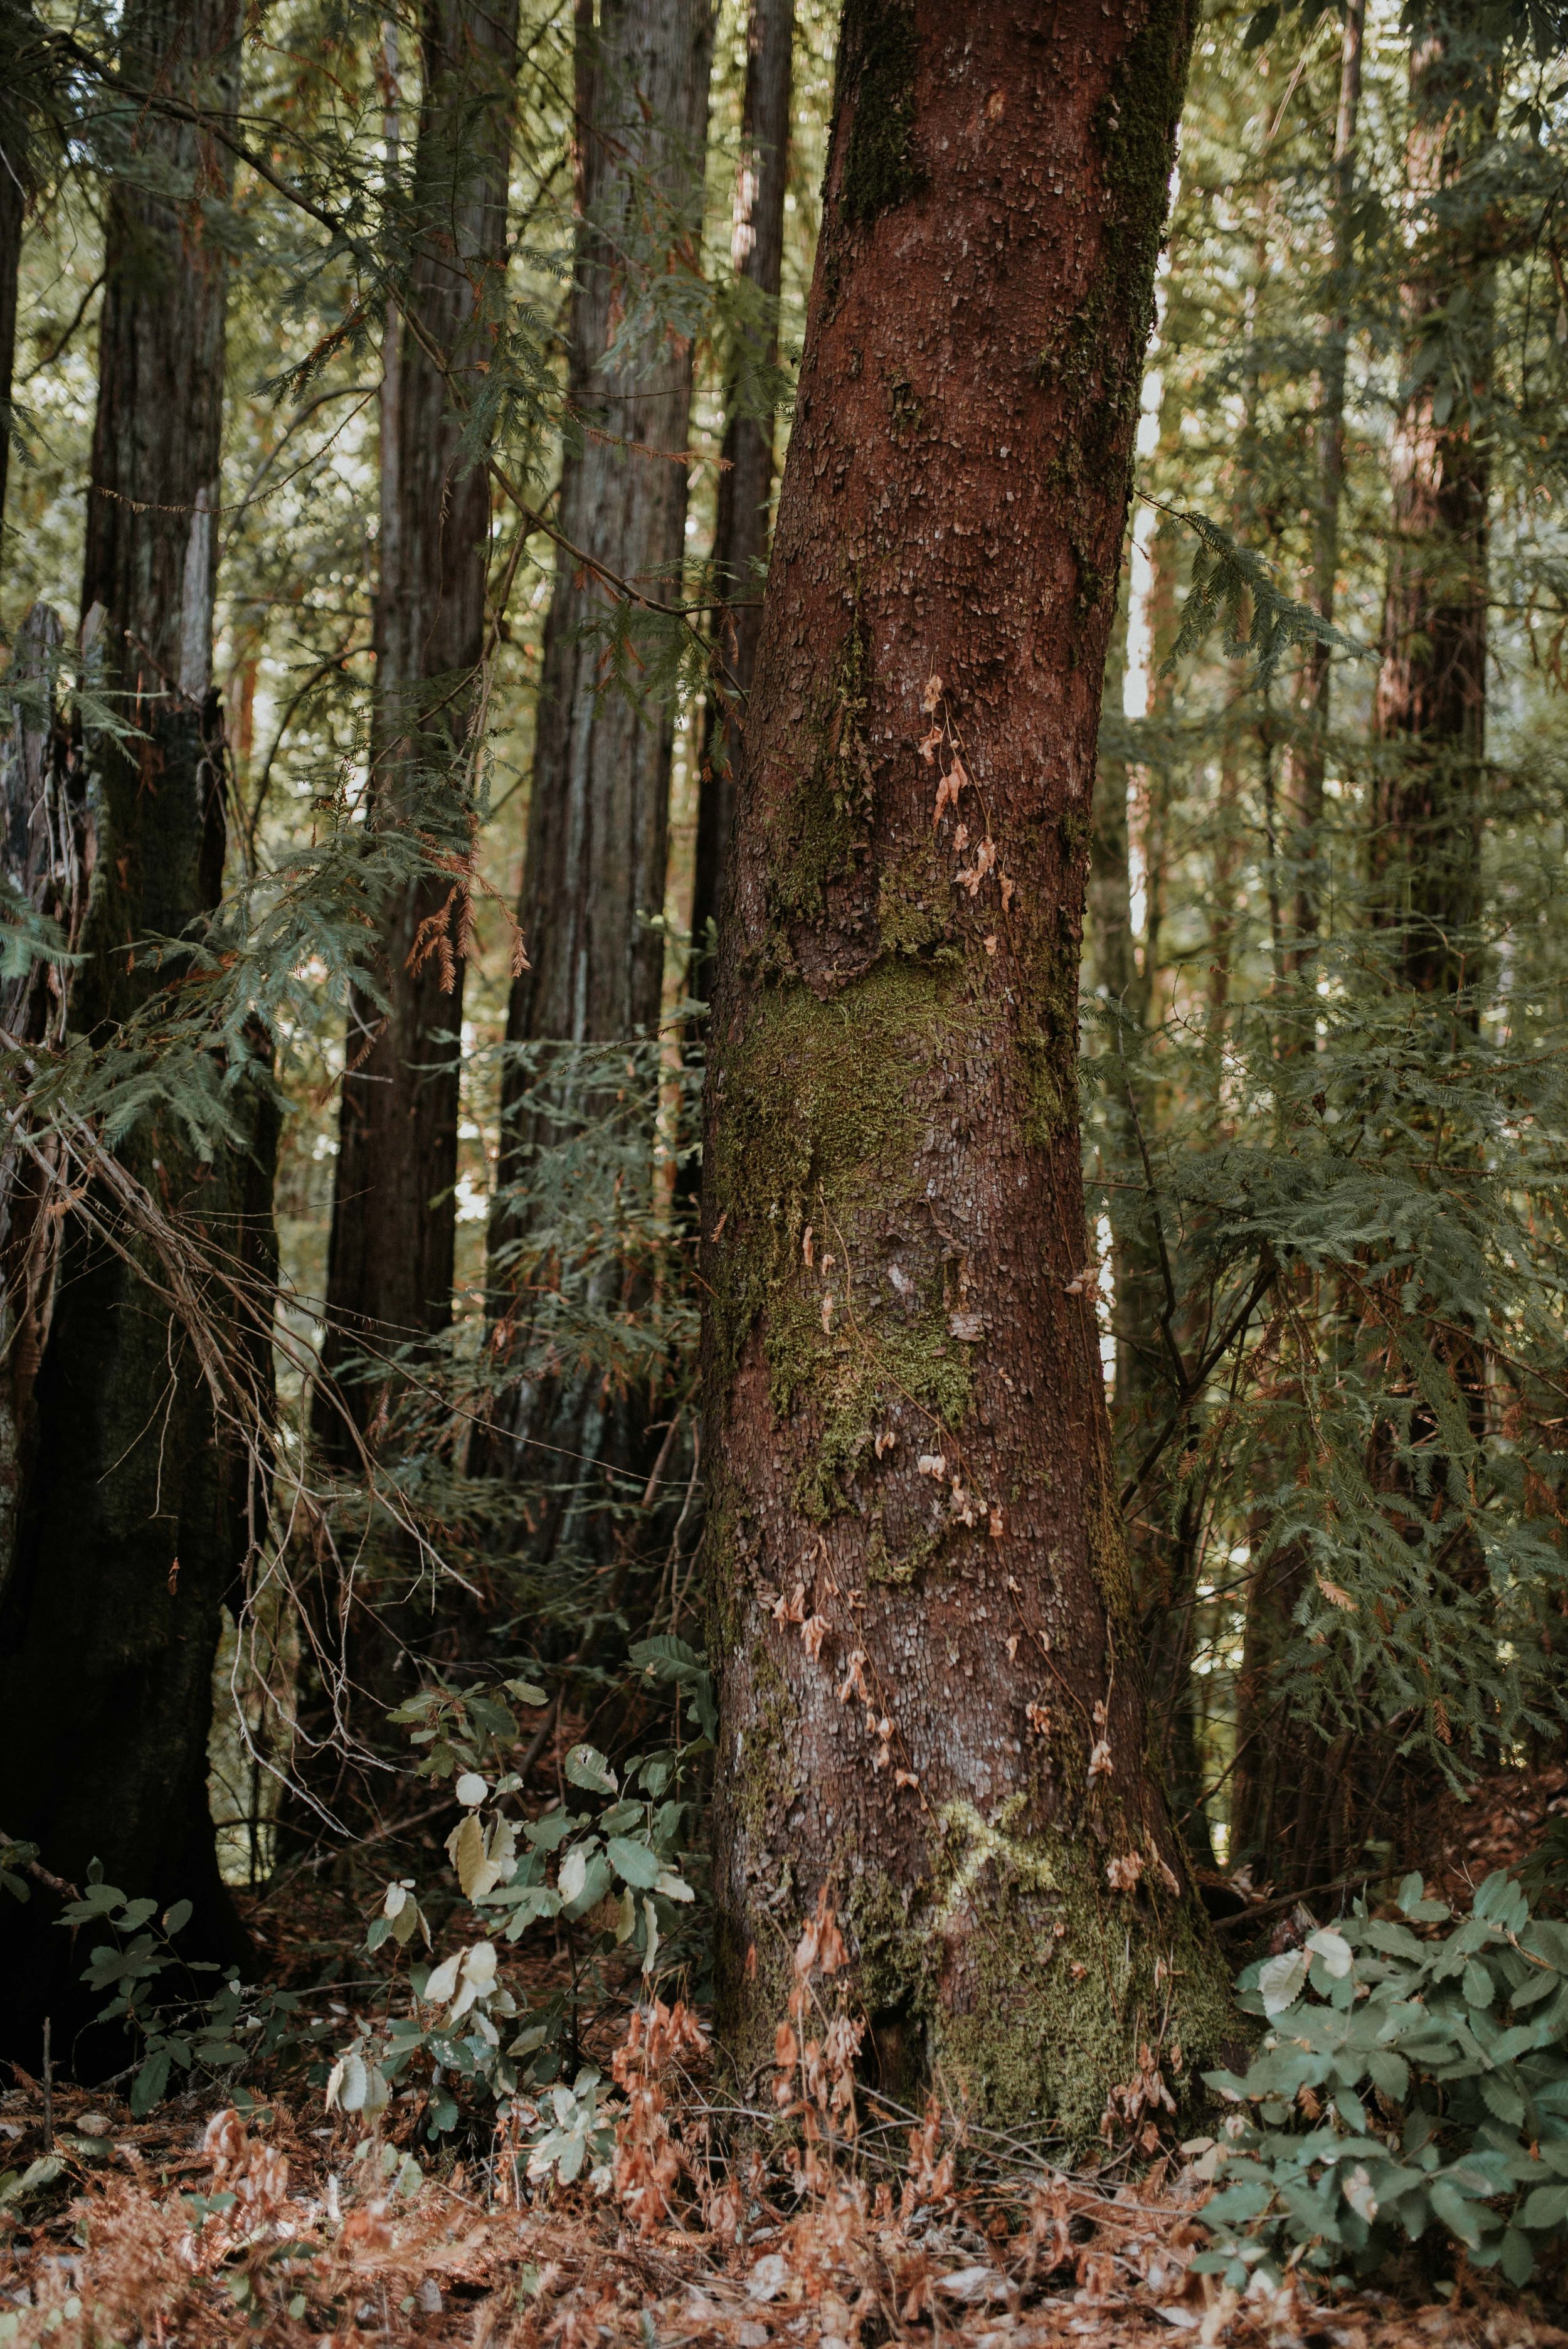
[11,211]
[135,1521]
[1304,1809]
[1314,760]
[598,819]
[394,1210]
[593,879]
[746,484]
[1430,716]
[47,853]
[932,1708]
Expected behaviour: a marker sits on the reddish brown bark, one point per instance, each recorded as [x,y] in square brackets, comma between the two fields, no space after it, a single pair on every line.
[394,1212]
[930,1691]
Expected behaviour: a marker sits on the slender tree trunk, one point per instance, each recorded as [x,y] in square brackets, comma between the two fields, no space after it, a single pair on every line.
[746,484]
[1164,1564]
[1317,683]
[1431,717]
[11,211]
[932,1709]
[138,1507]
[593,879]
[598,820]
[394,1212]
[46,852]
[1303,1808]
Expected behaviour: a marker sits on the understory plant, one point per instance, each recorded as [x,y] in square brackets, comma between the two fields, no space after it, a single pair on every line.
[1412,2083]
[614,1867]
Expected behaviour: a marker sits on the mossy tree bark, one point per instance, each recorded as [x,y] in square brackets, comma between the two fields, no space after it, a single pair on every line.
[140,1505]
[394,1210]
[746,484]
[931,1694]
[593,876]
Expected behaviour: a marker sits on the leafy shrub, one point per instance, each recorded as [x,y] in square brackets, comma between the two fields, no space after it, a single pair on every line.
[220,2037]
[1409,2079]
[617,1872]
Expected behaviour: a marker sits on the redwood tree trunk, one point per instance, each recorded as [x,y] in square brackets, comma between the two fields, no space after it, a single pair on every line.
[594,877]
[1330,482]
[134,1519]
[394,1210]
[1430,716]
[746,484]
[931,1695]
[598,819]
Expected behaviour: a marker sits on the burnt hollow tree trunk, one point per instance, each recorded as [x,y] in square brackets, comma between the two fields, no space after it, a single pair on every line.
[746,484]
[138,1507]
[394,1210]
[594,870]
[931,1695]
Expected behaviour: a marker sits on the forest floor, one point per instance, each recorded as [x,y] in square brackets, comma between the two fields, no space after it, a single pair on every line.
[197,2228]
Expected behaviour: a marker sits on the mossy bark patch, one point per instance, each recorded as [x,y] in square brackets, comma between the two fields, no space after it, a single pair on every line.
[879,57]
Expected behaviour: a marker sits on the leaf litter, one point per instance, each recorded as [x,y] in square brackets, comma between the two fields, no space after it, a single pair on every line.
[822,2214]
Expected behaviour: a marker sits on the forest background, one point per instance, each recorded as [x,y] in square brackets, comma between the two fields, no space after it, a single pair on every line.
[1321,1016]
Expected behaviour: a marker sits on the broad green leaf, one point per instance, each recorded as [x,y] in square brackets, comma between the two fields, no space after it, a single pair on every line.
[151,2081]
[1547,2207]
[1389,2072]
[1479,1987]
[551,1832]
[1458,2216]
[586,1766]
[633,1863]
[1518,2259]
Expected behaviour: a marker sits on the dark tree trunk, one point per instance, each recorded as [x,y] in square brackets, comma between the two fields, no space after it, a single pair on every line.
[1303,1809]
[11,210]
[1164,1564]
[931,1695]
[746,485]
[394,1212]
[1430,717]
[598,819]
[593,879]
[46,854]
[1313,755]
[137,1514]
